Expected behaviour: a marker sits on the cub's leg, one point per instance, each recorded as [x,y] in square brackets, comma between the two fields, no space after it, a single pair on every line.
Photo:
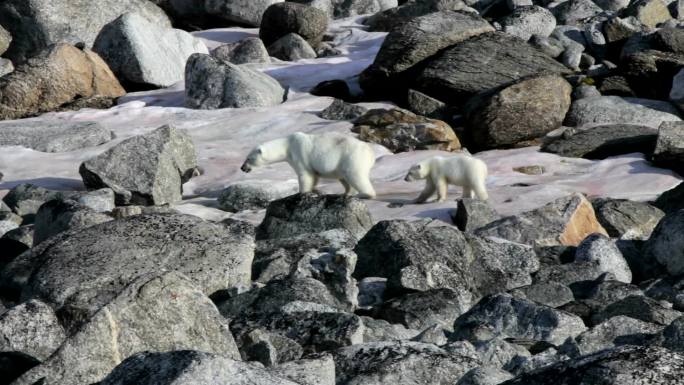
[427,192]
[441,190]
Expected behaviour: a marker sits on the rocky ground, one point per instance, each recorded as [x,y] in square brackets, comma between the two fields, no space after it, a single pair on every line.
[134,251]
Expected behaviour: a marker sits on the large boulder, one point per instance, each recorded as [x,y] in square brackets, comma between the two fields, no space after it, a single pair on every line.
[669,149]
[526,21]
[152,313]
[31,329]
[399,362]
[37,24]
[649,12]
[57,76]
[148,169]
[471,214]
[627,219]
[347,8]
[248,50]
[401,130]
[212,84]
[616,331]
[416,40]
[81,270]
[244,12]
[509,317]
[388,19]
[667,242]
[56,216]
[58,136]
[143,54]
[280,19]
[603,141]
[519,112]
[565,221]
[253,195]
[600,248]
[313,213]
[480,63]
[629,365]
[603,110]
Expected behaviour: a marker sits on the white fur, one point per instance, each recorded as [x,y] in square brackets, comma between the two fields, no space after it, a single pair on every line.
[459,170]
[329,156]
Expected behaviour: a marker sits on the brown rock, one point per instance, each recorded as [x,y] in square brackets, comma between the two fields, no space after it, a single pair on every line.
[565,221]
[649,12]
[401,130]
[56,77]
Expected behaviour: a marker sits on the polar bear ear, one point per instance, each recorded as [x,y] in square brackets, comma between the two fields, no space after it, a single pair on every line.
[259,150]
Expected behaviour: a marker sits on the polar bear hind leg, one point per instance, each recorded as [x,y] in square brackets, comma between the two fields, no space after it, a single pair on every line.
[441,189]
[468,192]
[481,190]
[348,190]
[362,184]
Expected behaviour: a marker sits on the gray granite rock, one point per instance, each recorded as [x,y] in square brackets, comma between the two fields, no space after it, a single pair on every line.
[669,149]
[598,247]
[291,47]
[253,195]
[248,50]
[603,140]
[57,216]
[666,242]
[552,294]
[616,331]
[614,109]
[102,200]
[421,310]
[484,376]
[244,12]
[347,8]
[673,335]
[341,110]
[26,199]
[627,219]
[471,214]
[279,19]
[638,307]
[524,22]
[53,137]
[31,328]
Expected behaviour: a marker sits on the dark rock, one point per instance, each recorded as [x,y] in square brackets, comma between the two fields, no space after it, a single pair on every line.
[148,169]
[268,348]
[565,221]
[525,110]
[607,110]
[616,331]
[570,273]
[666,244]
[244,12]
[211,84]
[53,137]
[313,213]
[399,362]
[498,353]
[509,317]
[421,310]
[338,89]
[56,216]
[341,110]
[32,329]
[484,376]
[280,19]
[552,294]
[26,199]
[471,214]
[669,149]
[248,50]
[650,72]
[434,334]
[673,335]
[15,242]
[372,291]
[401,130]
[422,104]
[291,47]
[389,19]
[638,307]
[480,63]
[670,201]
[604,141]
[627,219]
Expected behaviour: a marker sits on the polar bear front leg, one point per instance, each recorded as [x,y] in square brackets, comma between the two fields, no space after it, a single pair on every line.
[426,193]
[348,190]
[441,190]
[306,182]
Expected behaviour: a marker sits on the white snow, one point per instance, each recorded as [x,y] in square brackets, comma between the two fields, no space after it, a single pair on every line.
[224,137]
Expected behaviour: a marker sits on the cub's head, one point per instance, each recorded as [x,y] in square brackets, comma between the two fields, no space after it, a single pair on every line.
[254,159]
[416,172]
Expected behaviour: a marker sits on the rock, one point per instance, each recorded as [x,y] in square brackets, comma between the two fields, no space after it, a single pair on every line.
[627,219]
[417,40]
[388,19]
[569,273]
[32,329]
[415,256]
[484,375]
[624,366]
[518,112]
[585,91]
[666,244]
[5,40]
[671,200]
[421,310]
[277,258]
[326,6]
[78,272]
[280,19]
[600,293]
[526,21]
[552,294]
[26,199]
[673,335]
[612,5]
[148,169]
[499,265]
[15,242]
[142,53]
[100,201]
[291,47]
[38,24]
[130,323]
[268,348]
[616,331]
[8,222]
[471,214]
[603,141]
[649,12]
[378,330]
[399,362]
[314,371]
[56,216]
[615,109]
[401,130]
[434,334]
[497,353]
[638,307]
[338,89]
[349,8]
[565,221]
[6,67]
[669,149]
[531,170]
[480,63]
[65,73]
[341,110]
[572,56]
[575,12]
[248,50]
[510,317]
[651,73]
[549,45]
[421,104]
[313,213]
[253,195]
[189,367]
[245,12]
[212,84]
[598,247]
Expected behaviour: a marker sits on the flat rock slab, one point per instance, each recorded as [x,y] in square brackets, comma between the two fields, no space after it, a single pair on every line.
[55,136]
[603,141]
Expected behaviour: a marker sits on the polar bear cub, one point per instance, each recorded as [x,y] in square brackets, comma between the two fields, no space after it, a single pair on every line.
[459,170]
[330,156]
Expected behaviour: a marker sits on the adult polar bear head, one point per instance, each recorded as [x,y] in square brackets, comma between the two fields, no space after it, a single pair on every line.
[330,155]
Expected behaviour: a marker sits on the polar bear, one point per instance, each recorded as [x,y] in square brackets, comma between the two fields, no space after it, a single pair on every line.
[460,170]
[330,156]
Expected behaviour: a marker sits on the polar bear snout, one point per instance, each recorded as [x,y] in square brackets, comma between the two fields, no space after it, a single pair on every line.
[245,167]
